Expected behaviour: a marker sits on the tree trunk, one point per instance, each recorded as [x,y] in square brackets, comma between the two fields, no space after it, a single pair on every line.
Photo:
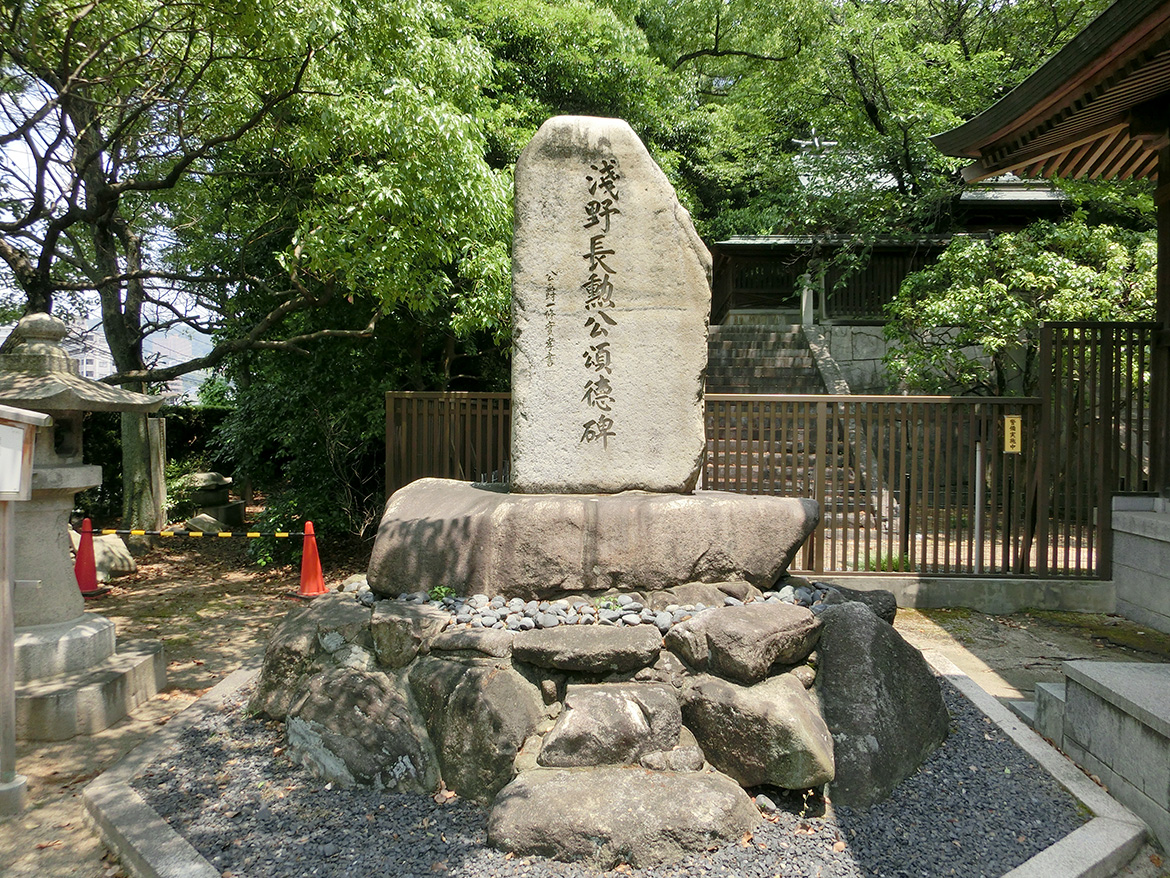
[138,506]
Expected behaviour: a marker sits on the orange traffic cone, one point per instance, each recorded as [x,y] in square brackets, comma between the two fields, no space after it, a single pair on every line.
[85,568]
[312,581]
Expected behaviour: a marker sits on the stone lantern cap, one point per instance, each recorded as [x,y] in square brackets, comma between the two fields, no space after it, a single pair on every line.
[37,373]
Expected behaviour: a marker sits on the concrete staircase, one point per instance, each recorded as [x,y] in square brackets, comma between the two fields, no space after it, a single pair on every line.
[764,352]
[758,352]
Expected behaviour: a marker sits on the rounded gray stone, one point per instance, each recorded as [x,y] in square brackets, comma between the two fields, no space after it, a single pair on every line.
[575,815]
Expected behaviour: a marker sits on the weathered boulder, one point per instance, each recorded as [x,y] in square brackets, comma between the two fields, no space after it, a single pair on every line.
[674,759]
[881,602]
[471,641]
[686,755]
[110,556]
[879,699]
[769,733]
[355,727]
[473,538]
[478,716]
[401,631]
[711,594]
[805,674]
[589,649]
[626,324]
[612,724]
[744,643]
[333,630]
[668,668]
[612,815]
[205,523]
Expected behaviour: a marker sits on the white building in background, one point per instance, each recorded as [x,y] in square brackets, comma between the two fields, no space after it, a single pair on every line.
[89,348]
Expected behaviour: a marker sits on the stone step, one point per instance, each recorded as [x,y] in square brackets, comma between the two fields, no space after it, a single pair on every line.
[1049,713]
[88,701]
[789,383]
[754,317]
[1025,710]
[773,332]
[754,340]
[781,383]
[796,387]
[733,351]
[762,366]
[1116,725]
[760,352]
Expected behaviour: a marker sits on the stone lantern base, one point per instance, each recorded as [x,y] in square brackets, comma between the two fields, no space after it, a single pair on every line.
[71,676]
[72,680]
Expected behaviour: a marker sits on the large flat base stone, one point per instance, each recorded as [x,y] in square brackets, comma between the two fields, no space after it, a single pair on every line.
[88,701]
[479,538]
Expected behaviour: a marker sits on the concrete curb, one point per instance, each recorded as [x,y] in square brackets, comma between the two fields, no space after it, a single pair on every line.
[149,848]
[1100,847]
[986,594]
[144,842]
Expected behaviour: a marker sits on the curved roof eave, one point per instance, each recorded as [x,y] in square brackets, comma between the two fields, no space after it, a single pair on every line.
[1060,79]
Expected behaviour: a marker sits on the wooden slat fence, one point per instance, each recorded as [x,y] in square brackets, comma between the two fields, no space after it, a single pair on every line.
[463,436]
[865,292]
[906,484]
[898,477]
[1096,430]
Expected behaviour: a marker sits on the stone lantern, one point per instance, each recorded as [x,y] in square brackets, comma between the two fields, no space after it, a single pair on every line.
[70,677]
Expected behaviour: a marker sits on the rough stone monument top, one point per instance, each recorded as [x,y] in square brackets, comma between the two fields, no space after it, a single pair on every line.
[611,295]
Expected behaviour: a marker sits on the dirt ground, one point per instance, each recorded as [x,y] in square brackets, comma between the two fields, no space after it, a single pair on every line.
[213,609]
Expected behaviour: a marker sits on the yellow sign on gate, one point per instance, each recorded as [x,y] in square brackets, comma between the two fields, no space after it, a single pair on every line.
[1013,434]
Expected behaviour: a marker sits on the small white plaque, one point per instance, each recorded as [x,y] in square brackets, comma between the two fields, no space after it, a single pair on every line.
[11,458]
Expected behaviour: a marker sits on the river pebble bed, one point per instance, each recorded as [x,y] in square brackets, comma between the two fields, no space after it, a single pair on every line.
[620,610]
[979,806]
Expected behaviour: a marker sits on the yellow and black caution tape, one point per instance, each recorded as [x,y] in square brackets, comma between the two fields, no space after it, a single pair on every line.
[279,534]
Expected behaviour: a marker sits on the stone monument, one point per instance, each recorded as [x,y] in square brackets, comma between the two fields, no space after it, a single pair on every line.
[71,678]
[611,294]
[611,299]
[613,659]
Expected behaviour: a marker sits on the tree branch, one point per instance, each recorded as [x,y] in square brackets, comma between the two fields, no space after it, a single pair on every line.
[716,52]
[243,343]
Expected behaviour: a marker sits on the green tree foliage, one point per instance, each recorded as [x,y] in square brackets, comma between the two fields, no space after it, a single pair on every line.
[226,166]
[310,428]
[874,80]
[970,322]
[294,179]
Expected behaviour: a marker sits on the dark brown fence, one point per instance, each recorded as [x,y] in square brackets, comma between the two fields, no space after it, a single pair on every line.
[864,293]
[464,436]
[1095,431]
[918,484]
[930,485]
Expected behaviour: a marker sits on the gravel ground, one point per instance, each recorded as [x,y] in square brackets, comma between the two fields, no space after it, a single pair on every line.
[978,807]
